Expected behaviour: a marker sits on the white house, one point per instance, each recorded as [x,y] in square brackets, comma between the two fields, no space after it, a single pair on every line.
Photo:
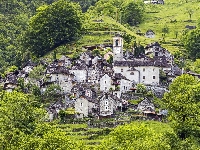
[84,106]
[146,72]
[105,83]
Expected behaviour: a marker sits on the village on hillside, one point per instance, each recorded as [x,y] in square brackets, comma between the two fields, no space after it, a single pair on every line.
[96,88]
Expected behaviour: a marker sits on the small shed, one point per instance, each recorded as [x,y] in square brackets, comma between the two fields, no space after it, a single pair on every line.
[150,34]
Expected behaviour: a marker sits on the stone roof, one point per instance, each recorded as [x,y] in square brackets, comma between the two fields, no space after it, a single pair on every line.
[92,100]
[114,97]
[58,70]
[176,70]
[142,62]
[80,66]
[152,44]
[29,63]
[11,79]
[149,30]
[119,76]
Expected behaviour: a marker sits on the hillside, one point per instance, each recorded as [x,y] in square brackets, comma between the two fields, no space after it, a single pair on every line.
[173,14]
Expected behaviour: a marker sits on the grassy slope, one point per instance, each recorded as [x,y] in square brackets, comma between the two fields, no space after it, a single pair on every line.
[172,10]
[156,17]
[91,137]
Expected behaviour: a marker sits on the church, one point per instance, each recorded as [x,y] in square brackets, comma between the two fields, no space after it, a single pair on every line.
[143,70]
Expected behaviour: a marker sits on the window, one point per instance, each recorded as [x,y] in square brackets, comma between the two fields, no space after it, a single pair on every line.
[105,88]
[106,108]
[81,104]
[122,70]
[105,81]
[143,77]
[132,73]
[153,69]
[143,69]
[154,77]
[106,103]
[124,87]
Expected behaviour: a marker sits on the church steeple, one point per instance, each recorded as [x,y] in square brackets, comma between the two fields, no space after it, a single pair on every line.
[117,48]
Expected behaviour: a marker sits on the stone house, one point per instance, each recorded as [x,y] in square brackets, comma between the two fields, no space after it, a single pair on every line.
[157,51]
[106,83]
[150,34]
[61,76]
[108,105]
[80,71]
[146,105]
[122,84]
[93,75]
[84,106]
[125,84]
[28,66]
[66,61]
[86,57]
[83,89]
[11,82]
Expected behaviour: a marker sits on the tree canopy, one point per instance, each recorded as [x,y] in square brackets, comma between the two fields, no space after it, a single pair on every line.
[191,43]
[183,104]
[52,26]
[132,13]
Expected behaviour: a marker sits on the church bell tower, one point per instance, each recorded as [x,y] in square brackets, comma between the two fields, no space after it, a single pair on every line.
[117,48]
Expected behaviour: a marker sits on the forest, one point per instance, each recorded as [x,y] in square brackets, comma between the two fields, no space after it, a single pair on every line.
[47,29]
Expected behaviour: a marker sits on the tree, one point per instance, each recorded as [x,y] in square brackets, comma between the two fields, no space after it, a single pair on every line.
[141,88]
[165,30]
[183,104]
[190,12]
[138,49]
[52,94]
[37,73]
[132,13]
[191,41]
[18,111]
[52,26]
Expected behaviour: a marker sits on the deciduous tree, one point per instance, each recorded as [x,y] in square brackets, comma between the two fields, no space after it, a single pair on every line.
[191,41]
[52,26]
[183,104]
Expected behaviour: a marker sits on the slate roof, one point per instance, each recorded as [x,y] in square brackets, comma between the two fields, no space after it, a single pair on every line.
[152,44]
[114,97]
[92,100]
[80,66]
[29,63]
[58,70]
[119,76]
[149,30]
[144,62]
